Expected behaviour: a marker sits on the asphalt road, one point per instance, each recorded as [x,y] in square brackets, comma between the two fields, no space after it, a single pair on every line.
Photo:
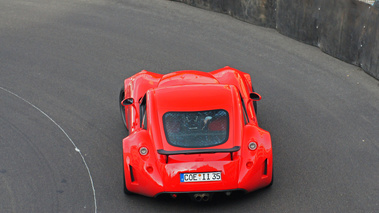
[62,64]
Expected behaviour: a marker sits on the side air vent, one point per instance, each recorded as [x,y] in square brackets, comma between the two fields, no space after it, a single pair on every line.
[265,167]
[131,173]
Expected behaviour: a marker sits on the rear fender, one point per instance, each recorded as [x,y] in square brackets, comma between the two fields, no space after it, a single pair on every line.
[256,165]
[142,173]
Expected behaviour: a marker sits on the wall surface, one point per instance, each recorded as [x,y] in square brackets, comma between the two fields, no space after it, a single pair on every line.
[345,29]
[259,12]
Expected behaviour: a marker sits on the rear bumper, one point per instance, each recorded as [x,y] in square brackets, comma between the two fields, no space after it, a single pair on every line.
[210,192]
[237,175]
[228,169]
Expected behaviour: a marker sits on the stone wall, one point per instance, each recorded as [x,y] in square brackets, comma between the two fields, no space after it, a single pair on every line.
[345,29]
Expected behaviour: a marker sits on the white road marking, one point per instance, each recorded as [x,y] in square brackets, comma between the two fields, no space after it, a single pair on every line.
[64,132]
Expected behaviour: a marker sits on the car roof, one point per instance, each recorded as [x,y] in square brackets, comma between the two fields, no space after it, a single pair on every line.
[186,77]
[195,97]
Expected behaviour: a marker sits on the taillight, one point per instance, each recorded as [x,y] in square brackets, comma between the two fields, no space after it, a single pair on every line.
[143,151]
[253,146]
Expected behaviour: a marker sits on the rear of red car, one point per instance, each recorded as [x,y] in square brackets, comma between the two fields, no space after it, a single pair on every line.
[197,140]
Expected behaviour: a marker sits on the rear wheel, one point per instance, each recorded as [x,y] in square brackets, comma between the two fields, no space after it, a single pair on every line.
[122,108]
[272,178]
[126,191]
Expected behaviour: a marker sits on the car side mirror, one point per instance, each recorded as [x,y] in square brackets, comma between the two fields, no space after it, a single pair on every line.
[255,96]
[127,101]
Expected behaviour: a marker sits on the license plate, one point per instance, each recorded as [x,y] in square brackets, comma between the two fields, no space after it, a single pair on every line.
[200,177]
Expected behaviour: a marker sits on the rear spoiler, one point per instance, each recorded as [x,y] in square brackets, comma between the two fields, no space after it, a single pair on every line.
[198,151]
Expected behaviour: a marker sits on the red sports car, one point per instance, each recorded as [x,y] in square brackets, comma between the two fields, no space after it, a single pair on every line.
[193,132]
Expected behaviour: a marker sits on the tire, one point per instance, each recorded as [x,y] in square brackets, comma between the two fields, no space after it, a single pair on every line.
[126,191]
[122,108]
[272,178]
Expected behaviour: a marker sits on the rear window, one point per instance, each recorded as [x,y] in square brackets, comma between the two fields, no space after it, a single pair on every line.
[196,129]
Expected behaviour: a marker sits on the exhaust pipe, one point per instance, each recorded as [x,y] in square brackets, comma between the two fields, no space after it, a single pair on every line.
[201,197]
[206,197]
[198,197]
